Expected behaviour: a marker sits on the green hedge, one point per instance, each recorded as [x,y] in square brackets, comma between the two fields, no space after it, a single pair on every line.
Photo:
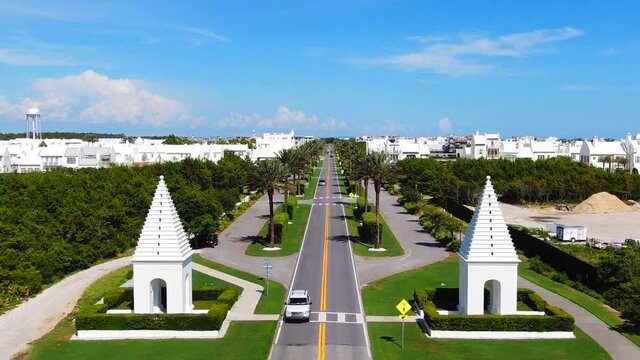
[292,203]
[212,320]
[207,293]
[359,210]
[367,230]
[281,222]
[442,225]
[229,296]
[116,297]
[555,319]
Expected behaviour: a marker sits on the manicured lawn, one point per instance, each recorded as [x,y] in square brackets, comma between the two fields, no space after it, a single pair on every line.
[591,304]
[245,340]
[200,280]
[380,297]
[310,190]
[293,237]
[385,344]
[271,304]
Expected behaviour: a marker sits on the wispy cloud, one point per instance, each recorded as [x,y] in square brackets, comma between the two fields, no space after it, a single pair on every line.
[285,118]
[204,33]
[469,54]
[580,87]
[25,57]
[444,125]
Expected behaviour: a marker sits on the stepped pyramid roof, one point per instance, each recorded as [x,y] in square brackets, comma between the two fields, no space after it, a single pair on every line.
[487,238]
[162,237]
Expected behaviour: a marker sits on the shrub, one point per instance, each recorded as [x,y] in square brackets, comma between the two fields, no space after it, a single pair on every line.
[411,207]
[556,319]
[357,212]
[229,296]
[117,296]
[281,222]
[409,194]
[368,228]
[292,203]
[443,226]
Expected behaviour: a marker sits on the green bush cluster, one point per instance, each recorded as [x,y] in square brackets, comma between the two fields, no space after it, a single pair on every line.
[292,203]
[207,293]
[555,319]
[281,223]
[368,228]
[117,297]
[543,268]
[445,228]
[229,296]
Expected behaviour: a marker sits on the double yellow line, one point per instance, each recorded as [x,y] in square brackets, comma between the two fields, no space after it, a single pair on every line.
[322,330]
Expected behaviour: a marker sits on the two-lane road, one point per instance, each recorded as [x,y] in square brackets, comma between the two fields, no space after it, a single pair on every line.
[326,268]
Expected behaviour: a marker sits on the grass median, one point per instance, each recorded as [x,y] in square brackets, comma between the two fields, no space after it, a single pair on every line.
[389,240]
[310,191]
[293,237]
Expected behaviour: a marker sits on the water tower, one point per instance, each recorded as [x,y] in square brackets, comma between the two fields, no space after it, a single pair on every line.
[34,124]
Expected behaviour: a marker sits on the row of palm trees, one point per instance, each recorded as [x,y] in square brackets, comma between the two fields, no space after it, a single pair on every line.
[283,174]
[365,167]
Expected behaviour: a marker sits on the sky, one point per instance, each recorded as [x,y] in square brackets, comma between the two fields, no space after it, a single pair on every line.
[324,68]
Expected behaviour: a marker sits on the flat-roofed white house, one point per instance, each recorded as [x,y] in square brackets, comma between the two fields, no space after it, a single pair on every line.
[270,144]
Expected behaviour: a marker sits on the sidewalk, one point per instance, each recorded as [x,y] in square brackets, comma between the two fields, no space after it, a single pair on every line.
[234,240]
[420,247]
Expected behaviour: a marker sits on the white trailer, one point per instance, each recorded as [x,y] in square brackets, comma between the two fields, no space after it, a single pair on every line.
[571,232]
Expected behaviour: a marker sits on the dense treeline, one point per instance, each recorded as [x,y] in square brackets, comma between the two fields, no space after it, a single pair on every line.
[54,223]
[559,179]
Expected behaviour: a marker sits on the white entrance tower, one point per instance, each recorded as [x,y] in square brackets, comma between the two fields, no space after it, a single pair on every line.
[162,260]
[488,259]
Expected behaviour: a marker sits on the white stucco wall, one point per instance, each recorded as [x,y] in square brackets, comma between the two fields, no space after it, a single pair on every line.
[473,277]
[178,278]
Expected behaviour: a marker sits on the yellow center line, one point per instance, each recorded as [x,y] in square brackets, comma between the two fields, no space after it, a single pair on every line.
[325,270]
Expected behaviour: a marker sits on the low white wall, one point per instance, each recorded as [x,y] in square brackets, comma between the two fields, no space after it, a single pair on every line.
[143,334]
[504,335]
[119,311]
[534,313]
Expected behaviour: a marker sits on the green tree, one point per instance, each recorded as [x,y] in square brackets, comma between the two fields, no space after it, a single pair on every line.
[380,170]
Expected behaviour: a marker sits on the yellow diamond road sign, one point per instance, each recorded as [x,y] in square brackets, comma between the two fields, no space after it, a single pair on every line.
[351,195]
[403,306]
[403,317]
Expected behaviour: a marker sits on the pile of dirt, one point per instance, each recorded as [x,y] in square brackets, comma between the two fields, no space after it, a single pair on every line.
[601,202]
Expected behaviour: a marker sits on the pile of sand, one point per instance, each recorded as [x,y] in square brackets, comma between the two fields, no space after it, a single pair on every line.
[601,202]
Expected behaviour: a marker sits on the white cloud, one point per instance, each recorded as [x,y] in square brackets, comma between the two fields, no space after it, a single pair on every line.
[444,125]
[284,118]
[466,55]
[97,98]
[204,33]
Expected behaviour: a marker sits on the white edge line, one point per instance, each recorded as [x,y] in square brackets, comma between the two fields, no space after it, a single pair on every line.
[355,276]
[295,269]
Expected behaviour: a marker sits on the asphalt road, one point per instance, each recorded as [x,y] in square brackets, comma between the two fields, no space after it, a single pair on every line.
[326,269]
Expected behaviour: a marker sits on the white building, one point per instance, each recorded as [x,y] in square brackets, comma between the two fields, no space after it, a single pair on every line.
[603,154]
[162,274]
[270,144]
[488,257]
[632,148]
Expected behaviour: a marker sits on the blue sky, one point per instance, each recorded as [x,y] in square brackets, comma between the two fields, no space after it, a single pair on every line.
[564,68]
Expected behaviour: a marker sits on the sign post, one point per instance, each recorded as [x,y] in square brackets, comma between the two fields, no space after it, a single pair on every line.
[403,307]
[267,272]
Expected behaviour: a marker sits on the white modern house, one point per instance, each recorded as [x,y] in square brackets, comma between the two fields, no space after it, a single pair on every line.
[269,144]
[162,270]
[603,154]
[488,258]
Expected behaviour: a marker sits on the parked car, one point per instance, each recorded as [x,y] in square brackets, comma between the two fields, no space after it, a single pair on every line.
[298,308]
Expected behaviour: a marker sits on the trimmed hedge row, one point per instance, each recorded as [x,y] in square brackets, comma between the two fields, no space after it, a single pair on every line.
[100,321]
[359,210]
[116,297]
[555,319]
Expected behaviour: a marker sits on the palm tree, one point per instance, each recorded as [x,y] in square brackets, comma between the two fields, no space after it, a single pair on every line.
[269,176]
[360,173]
[288,158]
[380,169]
